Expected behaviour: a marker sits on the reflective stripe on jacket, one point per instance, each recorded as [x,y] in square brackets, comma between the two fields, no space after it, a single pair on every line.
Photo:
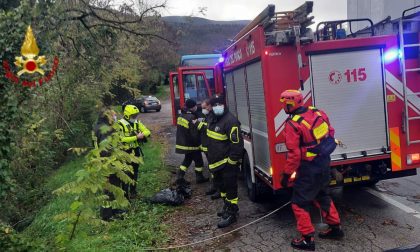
[304,130]
[187,136]
[225,142]
[129,133]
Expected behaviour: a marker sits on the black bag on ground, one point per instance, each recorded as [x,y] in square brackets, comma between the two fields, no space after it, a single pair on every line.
[168,197]
[183,188]
[173,197]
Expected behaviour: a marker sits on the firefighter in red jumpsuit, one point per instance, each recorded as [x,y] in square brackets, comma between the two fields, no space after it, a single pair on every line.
[310,141]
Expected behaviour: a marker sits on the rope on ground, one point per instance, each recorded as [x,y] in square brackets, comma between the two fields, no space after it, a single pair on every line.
[218,236]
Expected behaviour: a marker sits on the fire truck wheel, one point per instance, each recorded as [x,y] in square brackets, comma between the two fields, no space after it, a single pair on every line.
[251,187]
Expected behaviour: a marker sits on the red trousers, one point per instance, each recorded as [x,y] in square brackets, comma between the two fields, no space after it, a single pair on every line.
[311,188]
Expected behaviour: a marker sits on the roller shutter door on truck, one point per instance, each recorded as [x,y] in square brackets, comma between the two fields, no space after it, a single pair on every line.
[258,116]
[241,98]
[349,87]
[230,93]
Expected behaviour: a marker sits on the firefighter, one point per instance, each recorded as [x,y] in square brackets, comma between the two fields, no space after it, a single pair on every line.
[188,142]
[134,133]
[225,150]
[310,141]
[206,110]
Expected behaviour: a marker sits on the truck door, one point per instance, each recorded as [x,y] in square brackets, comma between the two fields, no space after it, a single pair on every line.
[195,86]
[349,87]
[175,95]
[187,85]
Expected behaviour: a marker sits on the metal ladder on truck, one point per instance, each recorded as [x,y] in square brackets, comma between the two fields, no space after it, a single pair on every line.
[404,71]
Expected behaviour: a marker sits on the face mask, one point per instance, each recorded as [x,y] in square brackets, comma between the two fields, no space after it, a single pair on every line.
[133,119]
[205,111]
[218,110]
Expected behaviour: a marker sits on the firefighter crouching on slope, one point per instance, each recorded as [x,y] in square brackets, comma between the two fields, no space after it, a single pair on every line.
[310,141]
[225,149]
[133,134]
[206,110]
[188,143]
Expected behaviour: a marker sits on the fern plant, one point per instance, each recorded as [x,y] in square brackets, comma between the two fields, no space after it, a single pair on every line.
[91,182]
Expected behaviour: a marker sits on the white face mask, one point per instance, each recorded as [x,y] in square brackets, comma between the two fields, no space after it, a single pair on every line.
[205,111]
[218,110]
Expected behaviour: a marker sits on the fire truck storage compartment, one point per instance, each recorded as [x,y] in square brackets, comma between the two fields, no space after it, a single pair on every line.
[230,93]
[258,116]
[349,87]
[241,98]
[246,81]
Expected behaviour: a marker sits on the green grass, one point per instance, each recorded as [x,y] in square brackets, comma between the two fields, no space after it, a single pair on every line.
[142,227]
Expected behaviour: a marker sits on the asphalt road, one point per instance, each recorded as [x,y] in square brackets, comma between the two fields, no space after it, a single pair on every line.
[374,219]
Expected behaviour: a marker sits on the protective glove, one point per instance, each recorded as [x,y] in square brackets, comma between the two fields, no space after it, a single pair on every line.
[285,180]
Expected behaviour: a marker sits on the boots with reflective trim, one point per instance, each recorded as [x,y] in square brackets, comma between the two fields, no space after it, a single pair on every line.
[306,242]
[221,212]
[229,216]
[333,232]
[180,180]
[199,178]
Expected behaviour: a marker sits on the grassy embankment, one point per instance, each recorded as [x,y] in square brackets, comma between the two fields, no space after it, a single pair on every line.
[143,226]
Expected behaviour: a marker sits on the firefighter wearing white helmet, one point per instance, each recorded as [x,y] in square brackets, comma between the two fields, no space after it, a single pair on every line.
[133,134]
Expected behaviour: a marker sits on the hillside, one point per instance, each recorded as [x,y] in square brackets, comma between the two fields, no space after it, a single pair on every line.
[199,35]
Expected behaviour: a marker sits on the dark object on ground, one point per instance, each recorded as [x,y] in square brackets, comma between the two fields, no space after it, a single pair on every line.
[184,188]
[173,197]
[168,197]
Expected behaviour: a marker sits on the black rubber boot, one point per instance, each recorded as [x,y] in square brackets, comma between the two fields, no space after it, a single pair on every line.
[215,196]
[211,190]
[306,242]
[334,232]
[199,178]
[180,174]
[221,212]
[229,217]
[180,180]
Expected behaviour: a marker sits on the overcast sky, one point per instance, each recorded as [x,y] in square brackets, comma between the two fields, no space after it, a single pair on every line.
[248,9]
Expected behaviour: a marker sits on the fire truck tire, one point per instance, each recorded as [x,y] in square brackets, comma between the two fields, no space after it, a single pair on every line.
[252,188]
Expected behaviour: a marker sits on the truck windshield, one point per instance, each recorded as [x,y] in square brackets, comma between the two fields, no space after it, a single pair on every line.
[195,87]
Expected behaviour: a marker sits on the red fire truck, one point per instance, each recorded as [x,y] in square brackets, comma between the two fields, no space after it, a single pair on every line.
[368,86]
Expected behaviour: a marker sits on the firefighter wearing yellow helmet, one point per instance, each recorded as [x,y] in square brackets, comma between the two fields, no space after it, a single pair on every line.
[133,134]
